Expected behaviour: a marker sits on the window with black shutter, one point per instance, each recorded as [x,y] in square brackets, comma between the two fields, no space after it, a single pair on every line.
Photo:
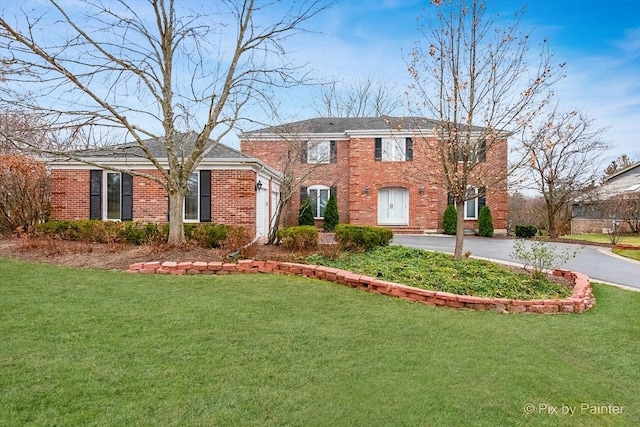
[408,149]
[95,194]
[127,198]
[205,196]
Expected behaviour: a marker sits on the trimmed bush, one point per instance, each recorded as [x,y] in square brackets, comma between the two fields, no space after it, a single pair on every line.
[305,215]
[450,220]
[526,231]
[331,217]
[361,237]
[485,222]
[209,235]
[299,238]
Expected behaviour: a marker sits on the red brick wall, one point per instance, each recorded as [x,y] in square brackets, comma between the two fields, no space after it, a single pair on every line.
[233,197]
[357,169]
[69,194]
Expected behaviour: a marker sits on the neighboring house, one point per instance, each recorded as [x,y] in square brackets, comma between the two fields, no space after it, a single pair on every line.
[228,187]
[383,171]
[615,203]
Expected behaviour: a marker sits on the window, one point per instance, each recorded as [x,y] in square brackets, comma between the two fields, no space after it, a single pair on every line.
[476,152]
[471,205]
[192,198]
[318,152]
[475,201]
[319,196]
[114,192]
[393,149]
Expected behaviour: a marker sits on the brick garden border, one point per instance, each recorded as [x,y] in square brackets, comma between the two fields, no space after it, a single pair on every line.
[581,299]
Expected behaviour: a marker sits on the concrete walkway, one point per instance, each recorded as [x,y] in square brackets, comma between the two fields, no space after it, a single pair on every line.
[596,262]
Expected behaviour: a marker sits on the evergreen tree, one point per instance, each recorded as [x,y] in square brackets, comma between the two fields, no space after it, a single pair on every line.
[305,216]
[450,220]
[485,222]
[331,217]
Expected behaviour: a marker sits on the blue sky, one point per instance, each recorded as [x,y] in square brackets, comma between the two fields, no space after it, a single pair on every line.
[599,41]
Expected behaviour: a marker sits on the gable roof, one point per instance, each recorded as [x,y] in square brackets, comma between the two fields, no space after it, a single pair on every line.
[183,142]
[346,126]
[130,156]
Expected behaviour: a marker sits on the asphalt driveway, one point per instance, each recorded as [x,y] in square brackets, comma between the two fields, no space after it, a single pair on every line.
[596,262]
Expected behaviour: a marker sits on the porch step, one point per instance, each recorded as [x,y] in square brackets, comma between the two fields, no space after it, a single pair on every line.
[406,230]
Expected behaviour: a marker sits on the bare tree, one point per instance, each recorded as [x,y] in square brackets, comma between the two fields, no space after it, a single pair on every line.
[623,161]
[474,78]
[367,97]
[147,70]
[563,151]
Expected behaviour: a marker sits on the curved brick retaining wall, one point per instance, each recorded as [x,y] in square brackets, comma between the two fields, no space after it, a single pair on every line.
[581,299]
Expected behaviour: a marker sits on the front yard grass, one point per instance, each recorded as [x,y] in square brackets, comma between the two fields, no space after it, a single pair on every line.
[95,347]
[438,271]
[628,253]
[630,239]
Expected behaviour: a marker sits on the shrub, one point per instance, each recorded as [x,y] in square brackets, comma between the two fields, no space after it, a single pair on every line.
[331,217]
[450,220]
[362,237]
[485,222]
[24,192]
[526,231]
[305,216]
[539,257]
[208,235]
[300,237]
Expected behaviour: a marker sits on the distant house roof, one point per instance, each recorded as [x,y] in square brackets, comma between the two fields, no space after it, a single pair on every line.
[625,181]
[348,125]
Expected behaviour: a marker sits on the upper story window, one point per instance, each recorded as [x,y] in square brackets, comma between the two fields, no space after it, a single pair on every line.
[393,149]
[475,153]
[319,152]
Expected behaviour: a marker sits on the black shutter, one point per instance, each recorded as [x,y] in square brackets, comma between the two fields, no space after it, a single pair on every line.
[450,199]
[126,205]
[95,194]
[333,191]
[304,147]
[377,155]
[482,200]
[333,152]
[408,149]
[205,196]
[303,194]
[482,151]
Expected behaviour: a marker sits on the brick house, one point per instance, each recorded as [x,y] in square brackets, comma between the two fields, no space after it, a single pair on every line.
[377,168]
[228,187]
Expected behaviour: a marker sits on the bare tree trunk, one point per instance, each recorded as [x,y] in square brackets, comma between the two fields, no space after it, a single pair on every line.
[273,232]
[457,253]
[176,228]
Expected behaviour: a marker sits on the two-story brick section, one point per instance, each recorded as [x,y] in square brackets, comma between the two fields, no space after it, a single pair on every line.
[384,171]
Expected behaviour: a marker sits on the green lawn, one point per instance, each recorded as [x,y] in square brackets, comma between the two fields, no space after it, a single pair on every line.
[628,253]
[630,239]
[90,347]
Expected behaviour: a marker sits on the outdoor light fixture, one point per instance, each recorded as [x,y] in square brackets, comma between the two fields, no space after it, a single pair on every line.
[258,185]
[366,191]
[421,190]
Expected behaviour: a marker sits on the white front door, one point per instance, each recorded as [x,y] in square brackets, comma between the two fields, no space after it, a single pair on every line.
[393,206]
